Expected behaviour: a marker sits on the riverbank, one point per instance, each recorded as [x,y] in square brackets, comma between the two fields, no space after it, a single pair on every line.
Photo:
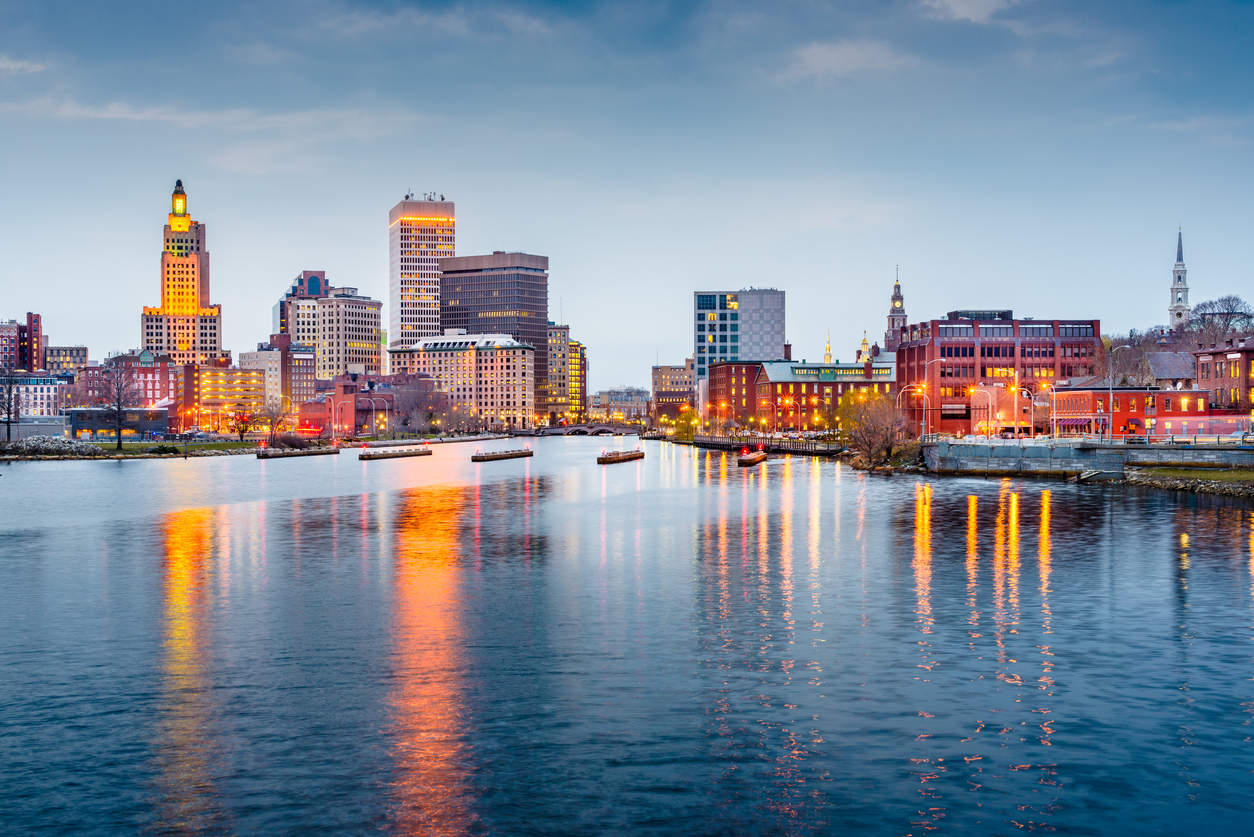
[1233,483]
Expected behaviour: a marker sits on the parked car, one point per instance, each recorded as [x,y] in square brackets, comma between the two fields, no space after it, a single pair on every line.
[1135,440]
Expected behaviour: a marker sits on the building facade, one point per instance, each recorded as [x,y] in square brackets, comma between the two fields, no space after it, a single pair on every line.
[290,366]
[208,396]
[347,334]
[68,359]
[1227,371]
[619,404]
[742,325]
[1136,411]
[577,356]
[22,344]
[790,395]
[420,233]
[187,326]
[502,293]
[896,319]
[673,389]
[940,363]
[309,285]
[40,394]
[558,343]
[489,378]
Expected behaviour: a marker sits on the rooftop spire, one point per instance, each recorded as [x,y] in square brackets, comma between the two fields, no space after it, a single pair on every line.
[1180,247]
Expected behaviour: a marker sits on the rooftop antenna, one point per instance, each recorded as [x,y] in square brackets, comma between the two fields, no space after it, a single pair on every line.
[409,195]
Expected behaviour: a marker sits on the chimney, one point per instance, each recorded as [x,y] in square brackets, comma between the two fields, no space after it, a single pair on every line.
[787,351]
[875,350]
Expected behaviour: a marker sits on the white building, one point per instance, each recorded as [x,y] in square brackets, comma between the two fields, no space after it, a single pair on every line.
[620,404]
[271,361]
[419,234]
[40,395]
[737,325]
[347,334]
[489,378]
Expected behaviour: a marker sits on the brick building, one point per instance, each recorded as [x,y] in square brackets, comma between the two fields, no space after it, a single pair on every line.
[1137,411]
[941,362]
[1227,370]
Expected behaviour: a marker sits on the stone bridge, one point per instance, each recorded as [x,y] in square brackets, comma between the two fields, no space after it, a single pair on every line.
[591,430]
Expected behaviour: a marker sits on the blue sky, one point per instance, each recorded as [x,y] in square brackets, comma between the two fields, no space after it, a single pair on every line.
[1031,155]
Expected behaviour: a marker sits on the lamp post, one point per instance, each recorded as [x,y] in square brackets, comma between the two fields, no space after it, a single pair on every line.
[774,406]
[374,419]
[1110,395]
[922,390]
[977,391]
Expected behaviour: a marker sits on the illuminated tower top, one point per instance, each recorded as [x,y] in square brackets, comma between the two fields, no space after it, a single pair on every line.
[180,221]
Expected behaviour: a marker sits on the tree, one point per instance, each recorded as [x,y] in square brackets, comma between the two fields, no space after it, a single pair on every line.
[872,425]
[121,393]
[10,402]
[274,415]
[1215,319]
[241,421]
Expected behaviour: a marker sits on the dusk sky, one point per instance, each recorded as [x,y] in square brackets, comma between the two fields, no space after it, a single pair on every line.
[1035,155]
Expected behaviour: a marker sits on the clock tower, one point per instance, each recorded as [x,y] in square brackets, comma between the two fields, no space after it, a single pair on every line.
[1178,306]
[896,319]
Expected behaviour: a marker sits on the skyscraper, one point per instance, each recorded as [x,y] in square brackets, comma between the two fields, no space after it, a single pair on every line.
[419,234]
[504,293]
[187,326]
[742,325]
[310,284]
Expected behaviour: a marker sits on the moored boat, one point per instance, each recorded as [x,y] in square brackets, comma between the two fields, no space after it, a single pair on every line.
[610,457]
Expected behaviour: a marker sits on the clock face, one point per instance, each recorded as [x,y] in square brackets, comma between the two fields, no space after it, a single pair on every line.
[896,304]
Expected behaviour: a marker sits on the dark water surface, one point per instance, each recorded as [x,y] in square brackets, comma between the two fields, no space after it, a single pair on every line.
[672,646]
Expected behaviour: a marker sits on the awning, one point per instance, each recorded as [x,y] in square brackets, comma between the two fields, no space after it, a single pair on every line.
[1136,422]
[1073,422]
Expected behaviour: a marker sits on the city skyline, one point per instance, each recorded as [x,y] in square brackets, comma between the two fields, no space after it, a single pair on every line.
[1037,156]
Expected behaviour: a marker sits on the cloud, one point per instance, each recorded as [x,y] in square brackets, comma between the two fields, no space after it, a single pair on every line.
[10,65]
[823,62]
[248,140]
[976,11]
[456,21]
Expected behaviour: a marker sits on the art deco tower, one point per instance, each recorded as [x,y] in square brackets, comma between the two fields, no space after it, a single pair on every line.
[419,234]
[187,326]
[1178,307]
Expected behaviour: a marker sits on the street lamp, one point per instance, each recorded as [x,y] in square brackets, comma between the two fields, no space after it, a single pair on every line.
[922,390]
[976,390]
[1110,395]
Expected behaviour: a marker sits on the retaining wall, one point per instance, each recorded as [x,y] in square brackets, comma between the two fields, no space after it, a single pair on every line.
[1067,459]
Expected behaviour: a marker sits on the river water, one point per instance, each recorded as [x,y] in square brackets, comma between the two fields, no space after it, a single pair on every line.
[668,646]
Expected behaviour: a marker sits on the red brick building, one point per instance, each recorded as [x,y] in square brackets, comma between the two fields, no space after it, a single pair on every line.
[946,366]
[1137,411]
[1227,370]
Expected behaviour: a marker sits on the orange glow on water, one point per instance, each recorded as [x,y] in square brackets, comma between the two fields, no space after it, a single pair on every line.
[432,783]
[923,555]
[184,760]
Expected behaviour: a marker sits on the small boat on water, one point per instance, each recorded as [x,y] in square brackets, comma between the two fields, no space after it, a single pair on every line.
[610,457]
[748,457]
[501,454]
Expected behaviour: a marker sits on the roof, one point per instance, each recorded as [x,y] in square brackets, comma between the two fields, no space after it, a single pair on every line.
[466,342]
[790,371]
[1171,365]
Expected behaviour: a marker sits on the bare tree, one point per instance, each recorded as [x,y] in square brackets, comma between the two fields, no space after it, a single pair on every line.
[121,394]
[1215,319]
[872,425]
[241,421]
[10,401]
[275,415]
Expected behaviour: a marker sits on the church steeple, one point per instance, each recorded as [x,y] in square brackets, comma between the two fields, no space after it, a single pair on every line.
[827,348]
[1178,307]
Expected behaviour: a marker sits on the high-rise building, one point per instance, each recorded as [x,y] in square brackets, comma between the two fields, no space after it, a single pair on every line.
[22,343]
[347,334]
[186,326]
[577,356]
[1178,309]
[504,293]
[420,233]
[489,378]
[740,325]
[309,285]
[558,407]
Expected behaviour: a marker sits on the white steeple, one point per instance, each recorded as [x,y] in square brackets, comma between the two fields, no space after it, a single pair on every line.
[1178,307]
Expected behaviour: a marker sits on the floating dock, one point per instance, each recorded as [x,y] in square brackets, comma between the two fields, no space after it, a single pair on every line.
[751,458]
[274,453]
[386,453]
[502,454]
[610,457]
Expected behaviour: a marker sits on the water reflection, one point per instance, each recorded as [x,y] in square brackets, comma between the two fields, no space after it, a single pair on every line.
[185,748]
[433,793]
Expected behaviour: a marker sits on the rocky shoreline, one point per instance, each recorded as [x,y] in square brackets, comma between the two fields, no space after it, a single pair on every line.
[33,457]
[1197,486]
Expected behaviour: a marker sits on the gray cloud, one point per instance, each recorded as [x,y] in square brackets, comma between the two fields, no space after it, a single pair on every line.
[843,59]
[11,65]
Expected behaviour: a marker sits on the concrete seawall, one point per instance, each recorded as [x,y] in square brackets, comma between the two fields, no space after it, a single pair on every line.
[1065,459]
